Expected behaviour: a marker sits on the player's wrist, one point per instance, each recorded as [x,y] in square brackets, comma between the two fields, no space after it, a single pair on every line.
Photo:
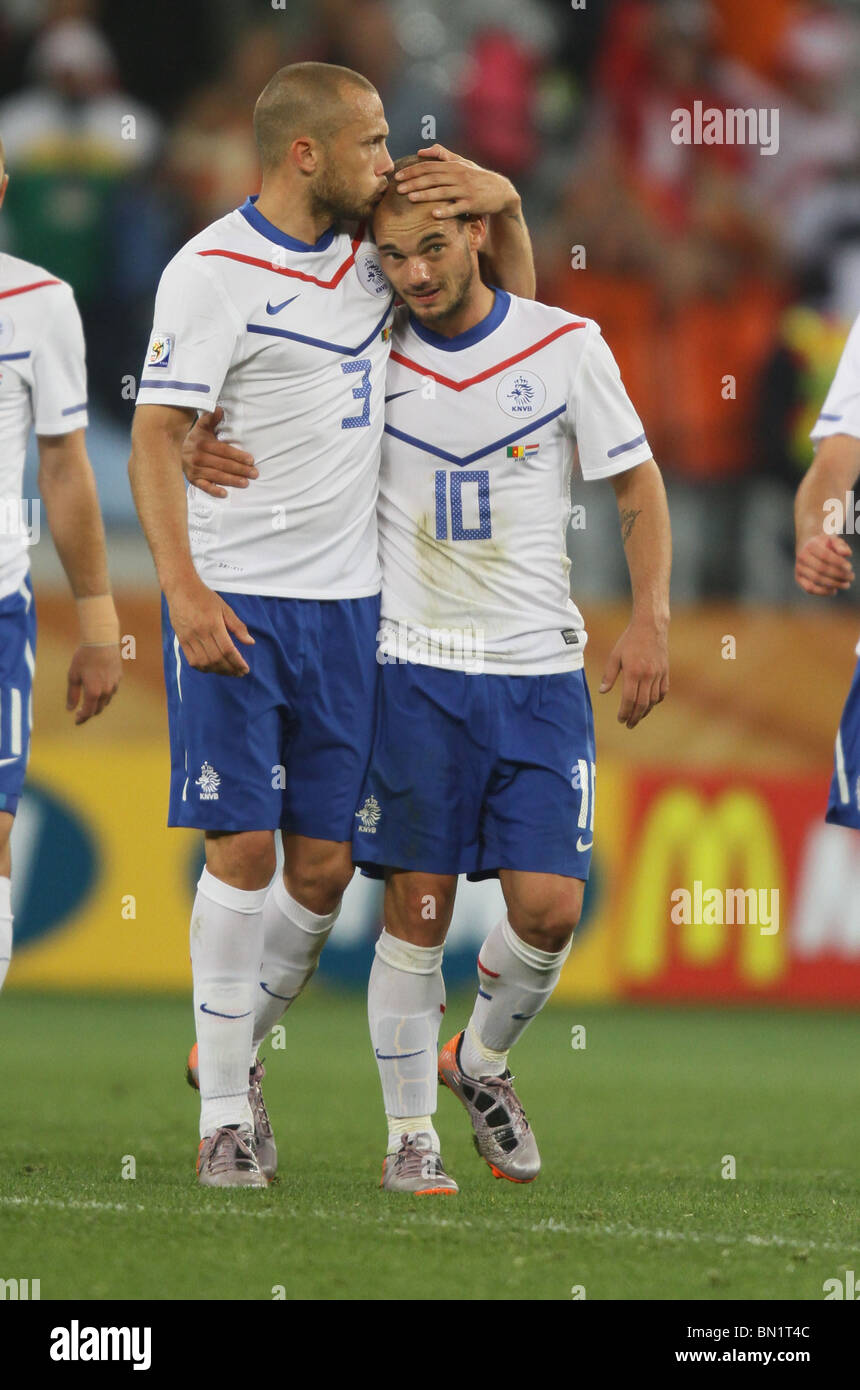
[178,582]
[512,205]
[652,615]
[97,621]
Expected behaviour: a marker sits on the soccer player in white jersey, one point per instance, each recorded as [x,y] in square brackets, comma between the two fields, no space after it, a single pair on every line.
[278,315]
[823,563]
[43,385]
[483,758]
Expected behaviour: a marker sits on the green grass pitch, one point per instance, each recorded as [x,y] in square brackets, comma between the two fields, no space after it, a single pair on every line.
[633,1131]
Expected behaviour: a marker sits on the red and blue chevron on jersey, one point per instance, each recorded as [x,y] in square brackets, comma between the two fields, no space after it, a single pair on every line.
[292,340]
[43,384]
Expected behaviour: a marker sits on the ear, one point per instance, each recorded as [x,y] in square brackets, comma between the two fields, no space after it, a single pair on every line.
[304,154]
[4,184]
[476,231]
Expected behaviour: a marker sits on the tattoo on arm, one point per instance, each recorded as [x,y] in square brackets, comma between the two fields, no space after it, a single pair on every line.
[628,521]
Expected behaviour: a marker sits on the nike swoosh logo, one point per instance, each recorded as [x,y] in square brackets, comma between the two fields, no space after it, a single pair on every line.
[285,997]
[5,761]
[398,394]
[396,1056]
[580,846]
[204,1009]
[276,308]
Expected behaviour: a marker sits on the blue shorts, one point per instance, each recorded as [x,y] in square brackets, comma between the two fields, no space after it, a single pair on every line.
[844,805]
[17,662]
[287,745]
[474,773]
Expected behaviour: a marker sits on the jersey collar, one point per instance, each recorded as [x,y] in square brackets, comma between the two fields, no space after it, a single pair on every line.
[501,305]
[268,229]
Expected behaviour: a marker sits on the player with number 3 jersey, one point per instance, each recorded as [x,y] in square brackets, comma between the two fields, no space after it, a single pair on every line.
[278,314]
[483,759]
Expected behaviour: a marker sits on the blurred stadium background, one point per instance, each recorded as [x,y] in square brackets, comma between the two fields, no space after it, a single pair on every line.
[725,281]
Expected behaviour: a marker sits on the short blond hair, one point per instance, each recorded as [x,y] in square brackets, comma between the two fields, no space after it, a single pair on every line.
[302,99]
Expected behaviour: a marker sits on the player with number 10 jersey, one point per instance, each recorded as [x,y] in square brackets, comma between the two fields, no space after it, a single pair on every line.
[483,756]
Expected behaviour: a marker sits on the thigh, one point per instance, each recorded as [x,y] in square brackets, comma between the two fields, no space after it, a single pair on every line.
[844,803]
[17,665]
[226,732]
[334,715]
[539,809]
[420,804]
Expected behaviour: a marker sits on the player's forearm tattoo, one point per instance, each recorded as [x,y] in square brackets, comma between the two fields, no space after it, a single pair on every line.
[628,521]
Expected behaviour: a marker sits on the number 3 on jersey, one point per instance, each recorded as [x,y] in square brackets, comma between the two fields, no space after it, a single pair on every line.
[361,392]
[451,501]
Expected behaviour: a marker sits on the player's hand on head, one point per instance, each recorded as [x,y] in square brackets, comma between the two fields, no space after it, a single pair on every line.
[457,185]
[641,657]
[823,565]
[212,464]
[93,677]
[203,623]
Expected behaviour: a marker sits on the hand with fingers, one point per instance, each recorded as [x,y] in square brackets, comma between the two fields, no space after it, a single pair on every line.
[823,565]
[93,677]
[210,463]
[203,623]
[641,654]
[457,185]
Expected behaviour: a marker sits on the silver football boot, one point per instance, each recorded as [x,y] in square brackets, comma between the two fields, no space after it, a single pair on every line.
[503,1136]
[417,1167]
[227,1159]
[264,1139]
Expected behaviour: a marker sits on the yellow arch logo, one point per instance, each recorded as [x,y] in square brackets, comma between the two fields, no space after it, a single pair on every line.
[726,843]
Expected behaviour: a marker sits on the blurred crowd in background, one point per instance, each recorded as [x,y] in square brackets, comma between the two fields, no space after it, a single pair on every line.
[725,279]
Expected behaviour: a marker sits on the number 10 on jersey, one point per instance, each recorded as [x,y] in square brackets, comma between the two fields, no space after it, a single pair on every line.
[450,501]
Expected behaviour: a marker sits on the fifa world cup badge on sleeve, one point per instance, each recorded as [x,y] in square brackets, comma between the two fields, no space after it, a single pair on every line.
[160,350]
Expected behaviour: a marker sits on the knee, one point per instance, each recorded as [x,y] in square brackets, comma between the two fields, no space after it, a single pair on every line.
[320,884]
[549,925]
[419,909]
[245,860]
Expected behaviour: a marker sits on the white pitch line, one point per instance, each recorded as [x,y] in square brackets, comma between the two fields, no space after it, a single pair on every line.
[547,1226]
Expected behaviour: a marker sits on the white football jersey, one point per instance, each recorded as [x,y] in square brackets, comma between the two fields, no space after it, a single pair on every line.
[292,341]
[840,413]
[475,498]
[43,384]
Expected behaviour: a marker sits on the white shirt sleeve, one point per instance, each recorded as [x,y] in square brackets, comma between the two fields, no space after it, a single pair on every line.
[840,413]
[609,434]
[195,331]
[59,367]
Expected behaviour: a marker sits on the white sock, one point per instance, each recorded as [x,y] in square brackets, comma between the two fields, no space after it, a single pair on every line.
[226,945]
[5,927]
[411,1124]
[514,982]
[405,1003]
[293,938]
